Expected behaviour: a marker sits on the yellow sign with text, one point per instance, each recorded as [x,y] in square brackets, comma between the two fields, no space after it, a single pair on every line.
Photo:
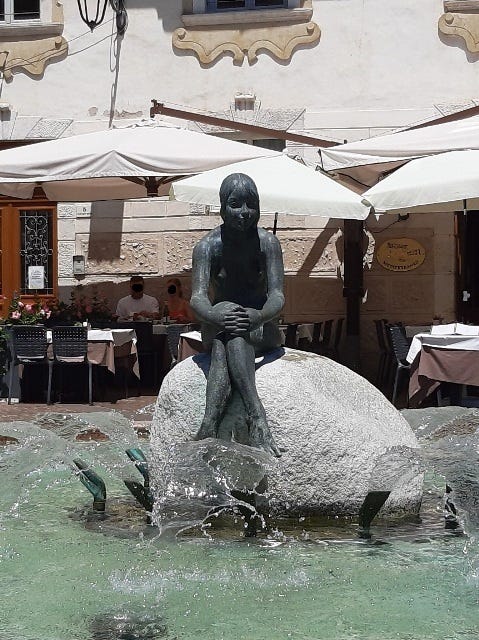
[401,254]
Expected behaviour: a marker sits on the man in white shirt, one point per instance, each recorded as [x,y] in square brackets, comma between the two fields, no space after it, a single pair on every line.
[137,304]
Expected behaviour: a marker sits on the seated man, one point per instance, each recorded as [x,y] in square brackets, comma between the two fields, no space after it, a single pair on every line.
[138,304]
[237,294]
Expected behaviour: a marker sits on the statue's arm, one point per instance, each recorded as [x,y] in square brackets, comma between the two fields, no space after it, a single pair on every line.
[200,281]
[254,318]
[275,274]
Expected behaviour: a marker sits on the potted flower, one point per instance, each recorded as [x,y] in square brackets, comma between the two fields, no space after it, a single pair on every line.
[81,308]
[36,312]
[3,362]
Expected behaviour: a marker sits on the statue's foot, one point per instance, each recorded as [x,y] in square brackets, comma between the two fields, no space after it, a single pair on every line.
[261,438]
[205,431]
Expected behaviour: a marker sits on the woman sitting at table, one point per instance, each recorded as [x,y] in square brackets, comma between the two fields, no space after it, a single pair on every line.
[176,307]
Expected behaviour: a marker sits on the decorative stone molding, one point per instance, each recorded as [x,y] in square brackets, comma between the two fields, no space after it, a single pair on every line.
[66,210]
[461,19]
[29,47]
[48,128]
[66,251]
[300,248]
[283,119]
[245,33]
[104,256]
[178,248]
[267,16]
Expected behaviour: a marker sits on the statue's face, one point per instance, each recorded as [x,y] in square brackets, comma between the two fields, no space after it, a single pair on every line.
[240,212]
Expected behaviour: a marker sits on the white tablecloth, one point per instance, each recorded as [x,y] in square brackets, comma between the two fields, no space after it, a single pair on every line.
[453,341]
[117,336]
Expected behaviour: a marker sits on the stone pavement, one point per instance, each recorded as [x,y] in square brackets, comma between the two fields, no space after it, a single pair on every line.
[139,409]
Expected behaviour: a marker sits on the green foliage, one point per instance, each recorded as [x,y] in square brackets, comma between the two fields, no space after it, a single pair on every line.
[81,307]
[37,312]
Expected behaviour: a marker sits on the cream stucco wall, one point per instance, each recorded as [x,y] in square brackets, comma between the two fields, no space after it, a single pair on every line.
[376,67]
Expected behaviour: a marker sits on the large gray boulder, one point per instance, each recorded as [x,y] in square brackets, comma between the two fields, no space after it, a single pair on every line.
[340,436]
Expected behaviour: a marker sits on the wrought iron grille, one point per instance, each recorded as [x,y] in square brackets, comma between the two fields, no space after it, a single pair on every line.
[36,248]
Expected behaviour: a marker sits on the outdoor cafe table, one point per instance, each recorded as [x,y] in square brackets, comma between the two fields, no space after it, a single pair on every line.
[104,345]
[441,358]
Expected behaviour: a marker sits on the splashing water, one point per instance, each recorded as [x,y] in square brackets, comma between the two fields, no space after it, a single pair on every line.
[305,579]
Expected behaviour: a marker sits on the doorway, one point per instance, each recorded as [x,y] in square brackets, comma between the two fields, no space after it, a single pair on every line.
[28,253]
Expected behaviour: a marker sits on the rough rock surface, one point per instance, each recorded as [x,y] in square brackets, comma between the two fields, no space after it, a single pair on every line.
[340,436]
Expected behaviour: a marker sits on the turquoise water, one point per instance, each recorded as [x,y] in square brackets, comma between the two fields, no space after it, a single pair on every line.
[65,578]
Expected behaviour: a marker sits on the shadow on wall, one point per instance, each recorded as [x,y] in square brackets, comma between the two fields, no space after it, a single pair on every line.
[169,13]
[307,298]
[313,282]
[106,220]
[112,291]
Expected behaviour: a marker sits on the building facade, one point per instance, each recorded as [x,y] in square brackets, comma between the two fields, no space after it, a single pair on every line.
[333,69]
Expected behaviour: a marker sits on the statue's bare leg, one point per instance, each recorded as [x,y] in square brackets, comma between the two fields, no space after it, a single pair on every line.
[218,390]
[240,355]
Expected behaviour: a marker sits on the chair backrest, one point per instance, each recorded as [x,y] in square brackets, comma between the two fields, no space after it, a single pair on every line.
[381,328]
[317,333]
[291,338]
[398,341]
[327,330]
[338,332]
[173,336]
[28,342]
[70,342]
[144,334]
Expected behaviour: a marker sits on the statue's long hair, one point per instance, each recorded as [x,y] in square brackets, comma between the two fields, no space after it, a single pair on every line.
[238,180]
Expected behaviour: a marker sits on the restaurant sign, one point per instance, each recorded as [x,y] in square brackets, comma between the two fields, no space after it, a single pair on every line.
[401,254]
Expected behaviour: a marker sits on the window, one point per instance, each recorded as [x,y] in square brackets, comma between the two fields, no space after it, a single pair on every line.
[242,5]
[16,10]
[36,247]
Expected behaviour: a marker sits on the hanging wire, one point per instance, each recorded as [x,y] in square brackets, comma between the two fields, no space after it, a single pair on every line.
[46,54]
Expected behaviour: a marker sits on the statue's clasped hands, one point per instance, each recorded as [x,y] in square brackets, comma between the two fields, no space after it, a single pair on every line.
[239,320]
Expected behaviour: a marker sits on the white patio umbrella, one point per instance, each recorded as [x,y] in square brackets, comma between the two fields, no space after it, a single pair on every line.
[436,183]
[284,186]
[366,160]
[116,164]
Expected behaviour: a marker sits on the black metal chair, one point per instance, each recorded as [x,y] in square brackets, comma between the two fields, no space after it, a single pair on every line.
[316,342]
[384,362]
[338,334]
[291,339]
[70,346]
[324,346]
[28,345]
[399,345]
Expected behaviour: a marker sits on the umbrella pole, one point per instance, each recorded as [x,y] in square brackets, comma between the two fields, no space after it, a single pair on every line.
[465,294]
[353,290]
[275,224]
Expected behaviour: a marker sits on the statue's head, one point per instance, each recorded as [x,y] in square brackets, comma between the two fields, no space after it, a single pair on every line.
[239,202]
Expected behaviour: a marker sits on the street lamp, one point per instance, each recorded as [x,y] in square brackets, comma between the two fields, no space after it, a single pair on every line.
[88,10]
